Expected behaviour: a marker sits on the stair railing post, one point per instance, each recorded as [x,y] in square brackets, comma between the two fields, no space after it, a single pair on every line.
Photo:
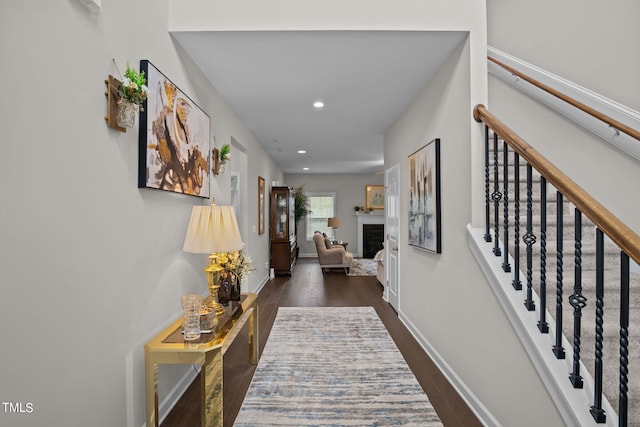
[578,302]
[506,267]
[624,339]
[558,350]
[596,410]
[487,219]
[496,196]
[543,325]
[529,239]
[516,283]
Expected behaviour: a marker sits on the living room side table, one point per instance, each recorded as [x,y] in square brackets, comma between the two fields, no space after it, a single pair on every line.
[168,347]
[343,244]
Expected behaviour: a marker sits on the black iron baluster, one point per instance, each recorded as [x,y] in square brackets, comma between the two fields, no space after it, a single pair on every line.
[578,302]
[487,235]
[506,267]
[624,338]
[558,350]
[529,239]
[597,412]
[517,285]
[543,326]
[496,196]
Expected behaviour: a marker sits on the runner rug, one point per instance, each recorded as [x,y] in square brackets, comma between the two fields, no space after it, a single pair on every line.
[333,366]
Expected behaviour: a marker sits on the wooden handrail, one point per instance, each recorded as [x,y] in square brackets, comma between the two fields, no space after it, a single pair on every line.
[626,239]
[592,112]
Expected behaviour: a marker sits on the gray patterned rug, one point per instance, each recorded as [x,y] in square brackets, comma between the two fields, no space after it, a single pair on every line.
[363,267]
[333,366]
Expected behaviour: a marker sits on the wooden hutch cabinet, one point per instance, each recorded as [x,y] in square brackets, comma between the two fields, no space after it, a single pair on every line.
[283,235]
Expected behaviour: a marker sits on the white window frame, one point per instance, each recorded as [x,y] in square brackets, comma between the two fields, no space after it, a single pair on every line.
[309,232]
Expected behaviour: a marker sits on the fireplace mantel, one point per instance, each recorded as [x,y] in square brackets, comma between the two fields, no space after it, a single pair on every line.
[377,217]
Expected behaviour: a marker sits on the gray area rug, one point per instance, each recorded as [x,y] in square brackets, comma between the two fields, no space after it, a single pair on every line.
[333,366]
[363,267]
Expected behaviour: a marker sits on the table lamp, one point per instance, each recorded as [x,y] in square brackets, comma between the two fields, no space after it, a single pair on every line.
[334,223]
[213,229]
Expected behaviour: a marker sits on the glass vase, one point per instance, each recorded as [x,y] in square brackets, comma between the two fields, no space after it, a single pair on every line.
[127,112]
[224,293]
[191,316]
[235,288]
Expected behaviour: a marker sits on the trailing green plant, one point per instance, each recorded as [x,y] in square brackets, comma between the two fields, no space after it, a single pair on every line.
[225,153]
[133,87]
[301,202]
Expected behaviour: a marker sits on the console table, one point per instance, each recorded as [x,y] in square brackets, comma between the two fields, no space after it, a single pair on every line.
[168,347]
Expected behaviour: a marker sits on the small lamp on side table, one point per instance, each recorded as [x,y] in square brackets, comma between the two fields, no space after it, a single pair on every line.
[335,223]
[212,230]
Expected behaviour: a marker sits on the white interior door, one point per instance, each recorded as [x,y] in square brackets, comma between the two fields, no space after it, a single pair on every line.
[392,213]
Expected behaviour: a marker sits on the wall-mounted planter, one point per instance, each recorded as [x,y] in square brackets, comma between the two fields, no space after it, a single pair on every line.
[112,103]
[127,113]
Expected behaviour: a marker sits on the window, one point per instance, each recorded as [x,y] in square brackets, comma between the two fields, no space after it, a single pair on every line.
[323,207]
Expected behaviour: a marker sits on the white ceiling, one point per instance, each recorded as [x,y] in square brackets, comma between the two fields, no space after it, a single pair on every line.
[365,78]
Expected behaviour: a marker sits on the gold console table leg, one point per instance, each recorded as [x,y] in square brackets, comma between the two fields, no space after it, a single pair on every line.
[211,389]
[151,389]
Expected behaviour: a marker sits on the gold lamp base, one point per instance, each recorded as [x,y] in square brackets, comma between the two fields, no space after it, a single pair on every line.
[213,282]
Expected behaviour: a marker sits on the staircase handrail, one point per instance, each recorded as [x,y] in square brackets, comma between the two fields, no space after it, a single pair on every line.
[619,232]
[579,105]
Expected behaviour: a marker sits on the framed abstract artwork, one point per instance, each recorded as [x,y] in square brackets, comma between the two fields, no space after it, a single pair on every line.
[174,138]
[261,204]
[424,198]
[375,197]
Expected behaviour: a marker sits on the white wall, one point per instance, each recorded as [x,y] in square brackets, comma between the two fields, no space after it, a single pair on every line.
[445,297]
[91,267]
[350,191]
[594,45]
[590,43]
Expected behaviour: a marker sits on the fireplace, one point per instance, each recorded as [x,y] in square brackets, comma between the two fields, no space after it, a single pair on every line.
[372,238]
[374,218]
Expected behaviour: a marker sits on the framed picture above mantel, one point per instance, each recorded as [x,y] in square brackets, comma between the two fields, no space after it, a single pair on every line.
[375,197]
[424,198]
[174,138]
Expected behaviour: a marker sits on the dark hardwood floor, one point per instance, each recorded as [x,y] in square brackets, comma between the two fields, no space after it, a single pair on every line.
[308,287]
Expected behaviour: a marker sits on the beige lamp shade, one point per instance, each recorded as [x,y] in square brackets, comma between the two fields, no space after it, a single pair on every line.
[334,222]
[212,229]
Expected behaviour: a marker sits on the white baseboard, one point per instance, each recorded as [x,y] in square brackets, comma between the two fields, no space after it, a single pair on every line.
[172,398]
[263,282]
[481,411]
[308,255]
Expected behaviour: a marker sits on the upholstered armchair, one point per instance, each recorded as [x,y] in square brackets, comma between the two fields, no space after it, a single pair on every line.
[379,259]
[331,256]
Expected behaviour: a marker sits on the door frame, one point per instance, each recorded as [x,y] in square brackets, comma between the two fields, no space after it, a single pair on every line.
[395,169]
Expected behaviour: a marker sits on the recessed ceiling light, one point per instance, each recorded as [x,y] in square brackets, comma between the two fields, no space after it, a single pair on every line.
[318,104]
[305,169]
[302,151]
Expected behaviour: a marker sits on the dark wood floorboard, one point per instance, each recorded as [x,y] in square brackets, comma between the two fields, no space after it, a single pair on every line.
[309,287]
